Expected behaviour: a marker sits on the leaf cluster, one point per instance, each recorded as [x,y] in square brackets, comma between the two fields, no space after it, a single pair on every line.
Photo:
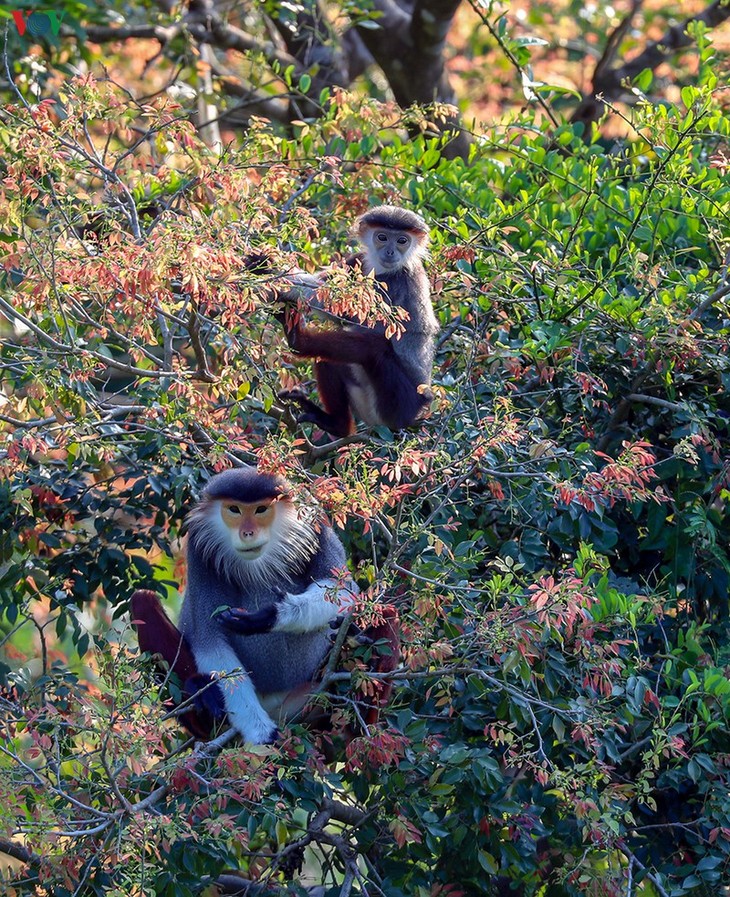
[554,536]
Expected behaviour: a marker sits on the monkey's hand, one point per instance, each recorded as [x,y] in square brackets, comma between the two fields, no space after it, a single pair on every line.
[238,620]
[295,288]
[309,410]
[306,611]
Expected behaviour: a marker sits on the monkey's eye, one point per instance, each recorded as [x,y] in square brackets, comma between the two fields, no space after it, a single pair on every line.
[381,238]
[262,509]
[403,241]
[234,509]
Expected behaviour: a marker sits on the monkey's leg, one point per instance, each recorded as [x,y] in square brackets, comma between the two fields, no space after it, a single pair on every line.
[243,706]
[397,400]
[332,385]
[310,411]
[400,404]
[336,417]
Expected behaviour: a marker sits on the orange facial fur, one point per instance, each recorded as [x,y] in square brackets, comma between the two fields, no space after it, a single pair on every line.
[250,524]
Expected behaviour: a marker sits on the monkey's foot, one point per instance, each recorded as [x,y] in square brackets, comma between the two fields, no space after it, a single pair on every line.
[311,413]
[243,623]
[254,736]
[296,395]
[353,631]
[207,695]
[293,862]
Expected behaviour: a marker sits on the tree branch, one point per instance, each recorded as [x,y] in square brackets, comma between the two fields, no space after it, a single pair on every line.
[655,400]
[676,38]
[213,30]
[722,290]
[317,50]
[613,41]
[19,852]
[251,101]
[410,51]
[103,34]
[608,82]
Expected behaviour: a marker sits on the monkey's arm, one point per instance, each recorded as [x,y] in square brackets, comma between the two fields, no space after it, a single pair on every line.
[364,346]
[241,701]
[299,285]
[315,607]
[304,612]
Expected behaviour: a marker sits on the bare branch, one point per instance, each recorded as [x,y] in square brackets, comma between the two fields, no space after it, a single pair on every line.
[103,34]
[614,39]
[634,861]
[608,82]
[19,852]
[214,31]
[655,400]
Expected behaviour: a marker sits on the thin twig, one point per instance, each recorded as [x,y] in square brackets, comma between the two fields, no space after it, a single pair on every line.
[654,879]
[720,292]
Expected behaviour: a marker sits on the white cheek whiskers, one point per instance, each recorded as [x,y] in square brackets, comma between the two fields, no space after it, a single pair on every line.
[292,542]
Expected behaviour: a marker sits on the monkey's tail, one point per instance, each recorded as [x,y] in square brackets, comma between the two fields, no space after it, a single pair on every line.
[157,635]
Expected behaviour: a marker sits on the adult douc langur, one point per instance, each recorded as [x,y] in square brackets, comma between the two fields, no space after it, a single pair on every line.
[265,584]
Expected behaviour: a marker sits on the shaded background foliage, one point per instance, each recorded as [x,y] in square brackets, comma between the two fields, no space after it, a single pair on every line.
[555,536]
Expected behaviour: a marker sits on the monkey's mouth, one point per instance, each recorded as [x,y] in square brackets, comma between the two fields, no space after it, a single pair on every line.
[251,552]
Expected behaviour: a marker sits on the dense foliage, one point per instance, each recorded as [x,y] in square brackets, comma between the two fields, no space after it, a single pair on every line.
[555,536]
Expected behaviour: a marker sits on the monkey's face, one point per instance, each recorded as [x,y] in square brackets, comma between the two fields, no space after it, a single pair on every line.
[249,526]
[265,540]
[390,249]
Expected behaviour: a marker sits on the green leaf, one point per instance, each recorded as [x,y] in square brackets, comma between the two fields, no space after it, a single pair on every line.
[529,41]
[644,80]
[689,94]
[488,862]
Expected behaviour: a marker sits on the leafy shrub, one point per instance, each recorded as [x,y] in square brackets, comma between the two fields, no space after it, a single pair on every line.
[555,536]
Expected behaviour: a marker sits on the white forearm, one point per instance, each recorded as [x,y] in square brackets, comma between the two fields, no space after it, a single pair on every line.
[311,609]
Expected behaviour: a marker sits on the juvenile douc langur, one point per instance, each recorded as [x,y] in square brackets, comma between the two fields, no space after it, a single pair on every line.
[359,370]
[271,564]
